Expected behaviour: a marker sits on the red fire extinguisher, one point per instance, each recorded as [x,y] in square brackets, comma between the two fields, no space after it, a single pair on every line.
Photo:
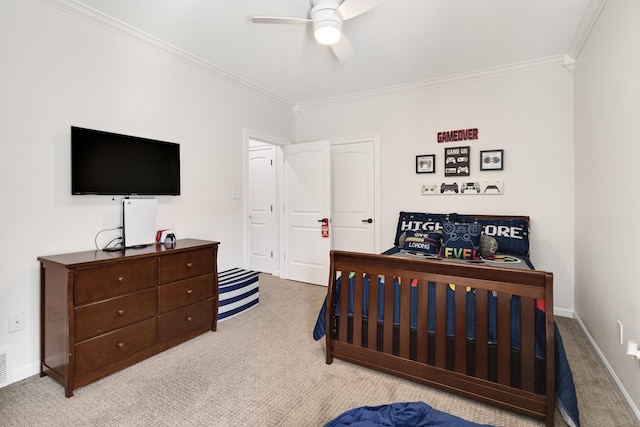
[325,227]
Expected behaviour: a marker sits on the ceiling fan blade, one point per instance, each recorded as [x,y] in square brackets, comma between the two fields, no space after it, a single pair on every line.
[279,20]
[343,49]
[352,8]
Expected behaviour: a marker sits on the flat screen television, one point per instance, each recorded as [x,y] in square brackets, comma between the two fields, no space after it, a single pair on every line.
[111,164]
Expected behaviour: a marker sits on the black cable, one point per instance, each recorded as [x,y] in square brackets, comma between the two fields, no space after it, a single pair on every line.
[95,239]
[112,240]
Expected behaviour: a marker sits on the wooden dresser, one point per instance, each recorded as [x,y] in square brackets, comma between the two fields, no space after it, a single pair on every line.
[104,311]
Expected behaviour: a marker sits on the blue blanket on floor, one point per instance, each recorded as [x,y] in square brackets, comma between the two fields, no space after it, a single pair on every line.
[566,400]
[403,414]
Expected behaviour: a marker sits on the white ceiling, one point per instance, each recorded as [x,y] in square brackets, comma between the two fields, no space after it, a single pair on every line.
[398,43]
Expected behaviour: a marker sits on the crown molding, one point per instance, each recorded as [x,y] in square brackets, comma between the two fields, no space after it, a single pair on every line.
[569,63]
[488,73]
[120,28]
[586,25]
[102,20]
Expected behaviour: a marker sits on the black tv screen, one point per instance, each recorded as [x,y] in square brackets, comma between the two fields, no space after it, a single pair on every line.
[112,164]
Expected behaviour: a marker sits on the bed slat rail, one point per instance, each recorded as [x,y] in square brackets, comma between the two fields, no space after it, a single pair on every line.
[422,345]
[450,361]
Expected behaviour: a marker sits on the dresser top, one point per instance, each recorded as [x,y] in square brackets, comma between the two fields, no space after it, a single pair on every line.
[100,256]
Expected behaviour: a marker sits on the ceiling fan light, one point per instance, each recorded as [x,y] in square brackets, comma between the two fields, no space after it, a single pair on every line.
[327,32]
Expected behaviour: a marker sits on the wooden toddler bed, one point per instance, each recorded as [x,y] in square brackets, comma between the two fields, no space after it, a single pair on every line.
[475,327]
[438,349]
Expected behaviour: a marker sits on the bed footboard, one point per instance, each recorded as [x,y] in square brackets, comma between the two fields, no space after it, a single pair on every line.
[436,335]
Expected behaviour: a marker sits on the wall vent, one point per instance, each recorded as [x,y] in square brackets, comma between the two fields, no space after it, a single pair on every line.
[4,366]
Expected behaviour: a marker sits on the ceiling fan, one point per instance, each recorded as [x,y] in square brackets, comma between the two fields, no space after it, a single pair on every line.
[327,17]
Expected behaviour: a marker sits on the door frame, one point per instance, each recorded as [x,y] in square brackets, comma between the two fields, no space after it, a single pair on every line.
[279,143]
[248,135]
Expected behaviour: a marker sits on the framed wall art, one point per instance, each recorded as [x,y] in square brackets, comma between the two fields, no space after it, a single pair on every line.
[456,161]
[426,163]
[492,160]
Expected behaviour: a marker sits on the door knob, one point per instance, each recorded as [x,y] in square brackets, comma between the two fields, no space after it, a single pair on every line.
[370,220]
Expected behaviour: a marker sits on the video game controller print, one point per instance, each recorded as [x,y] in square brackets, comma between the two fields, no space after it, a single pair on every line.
[449,187]
[461,231]
[492,187]
[470,186]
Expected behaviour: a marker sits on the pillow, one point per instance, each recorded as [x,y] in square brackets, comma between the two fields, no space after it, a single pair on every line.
[418,221]
[512,235]
[488,246]
[427,243]
[461,241]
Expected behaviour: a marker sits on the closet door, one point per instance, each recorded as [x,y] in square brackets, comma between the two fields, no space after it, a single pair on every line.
[353,197]
[262,205]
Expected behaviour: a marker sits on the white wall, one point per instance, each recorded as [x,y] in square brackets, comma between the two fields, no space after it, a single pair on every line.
[607,204]
[529,114]
[59,70]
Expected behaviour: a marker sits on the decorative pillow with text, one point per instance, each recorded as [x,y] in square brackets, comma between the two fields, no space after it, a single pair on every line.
[461,241]
[419,221]
[426,243]
[512,235]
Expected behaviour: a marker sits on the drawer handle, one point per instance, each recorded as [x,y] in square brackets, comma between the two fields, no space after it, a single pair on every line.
[189,291]
[189,264]
[120,279]
[120,344]
[189,319]
[120,312]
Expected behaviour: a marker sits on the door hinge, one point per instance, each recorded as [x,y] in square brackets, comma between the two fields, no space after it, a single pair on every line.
[271,254]
[271,208]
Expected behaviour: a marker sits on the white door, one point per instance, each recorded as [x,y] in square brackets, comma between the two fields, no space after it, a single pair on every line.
[353,197]
[307,201]
[262,205]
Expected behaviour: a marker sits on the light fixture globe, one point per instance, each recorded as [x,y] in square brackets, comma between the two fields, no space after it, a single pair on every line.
[327,32]
[327,25]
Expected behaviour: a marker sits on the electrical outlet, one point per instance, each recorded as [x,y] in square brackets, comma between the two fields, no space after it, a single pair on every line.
[16,322]
[620,334]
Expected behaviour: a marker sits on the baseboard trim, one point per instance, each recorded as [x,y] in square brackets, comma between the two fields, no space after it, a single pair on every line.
[25,371]
[628,401]
[563,312]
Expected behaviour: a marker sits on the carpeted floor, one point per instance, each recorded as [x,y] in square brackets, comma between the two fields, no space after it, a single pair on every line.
[263,368]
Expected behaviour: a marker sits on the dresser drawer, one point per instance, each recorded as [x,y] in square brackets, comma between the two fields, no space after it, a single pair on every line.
[184,292]
[101,317]
[113,280]
[185,265]
[113,346]
[184,319]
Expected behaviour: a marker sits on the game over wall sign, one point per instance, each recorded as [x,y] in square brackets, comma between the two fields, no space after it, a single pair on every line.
[458,135]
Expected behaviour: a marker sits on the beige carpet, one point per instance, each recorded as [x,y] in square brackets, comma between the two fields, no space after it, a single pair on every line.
[263,368]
